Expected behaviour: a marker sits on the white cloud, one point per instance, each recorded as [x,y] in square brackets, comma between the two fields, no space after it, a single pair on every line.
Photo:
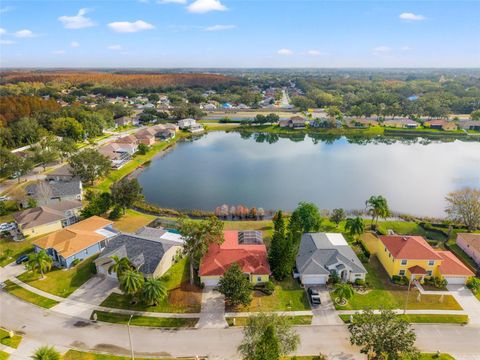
[379,50]
[314,52]
[285,52]
[204,6]
[171,1]
[405,48]
[74,44]
[25,33]
[6,42]
[219,27]
[5,9]
[411,16]
[130,27]
[58,52]
[2,31]
[115,47]
[78,21]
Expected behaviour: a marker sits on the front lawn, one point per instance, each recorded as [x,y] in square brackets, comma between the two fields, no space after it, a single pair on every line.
[146,320]
[4,355]
[62,282]
[6,340]
[81,355]
[435,356]
[182,297]
[18,248]
[132,221]
[288,296]
[28,296]
[385,294]
[292,320]
[426,318]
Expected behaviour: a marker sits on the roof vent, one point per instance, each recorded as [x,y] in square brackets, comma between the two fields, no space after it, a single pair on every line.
[404,238]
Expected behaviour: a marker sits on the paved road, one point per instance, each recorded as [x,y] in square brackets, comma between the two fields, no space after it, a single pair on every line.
[48,327]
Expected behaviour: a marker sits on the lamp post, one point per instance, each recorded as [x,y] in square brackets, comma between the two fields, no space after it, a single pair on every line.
[130,338]
[408,293]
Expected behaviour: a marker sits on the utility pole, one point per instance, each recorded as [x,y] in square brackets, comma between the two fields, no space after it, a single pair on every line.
[130,338]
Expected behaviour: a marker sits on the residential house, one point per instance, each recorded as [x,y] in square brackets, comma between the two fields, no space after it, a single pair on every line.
[470,243]
[361,122]
[62,173]
[323,254]
[297,122]
[245,248]
[195,129]
[47,218]
[118,153]
[284,123]
[128,139]
[469,125]
[170,126]
[401,123]
[209,107]
[413,257]
[46,192]
[185,124]
[76,242]
[440,124]
[124,121]
[146,136]
[151,256]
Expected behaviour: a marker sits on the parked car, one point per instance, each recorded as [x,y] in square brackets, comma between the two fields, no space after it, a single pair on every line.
[4,198]
[21,259]
[314,296]
[7,226]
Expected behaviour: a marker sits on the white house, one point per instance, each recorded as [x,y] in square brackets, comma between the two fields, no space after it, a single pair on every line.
[186,123]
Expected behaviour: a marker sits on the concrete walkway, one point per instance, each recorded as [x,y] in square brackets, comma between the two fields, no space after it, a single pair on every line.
[11,270]
[467,300]
[212,315]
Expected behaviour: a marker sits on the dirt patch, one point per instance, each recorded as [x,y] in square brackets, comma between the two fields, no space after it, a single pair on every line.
[186,296]
[82,324]
[112,349]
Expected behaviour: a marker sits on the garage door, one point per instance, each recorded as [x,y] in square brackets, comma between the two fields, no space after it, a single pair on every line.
[455,280]
[314,279]
[210,281]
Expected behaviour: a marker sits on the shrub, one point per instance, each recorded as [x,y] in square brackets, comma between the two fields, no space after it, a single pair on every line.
[76,262]
[142,149]
[334,279]
[359,282]
[267,288]
[116,213]
[400,280]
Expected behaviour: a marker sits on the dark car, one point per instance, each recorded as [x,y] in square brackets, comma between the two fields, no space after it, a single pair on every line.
[314,296]
[21,259]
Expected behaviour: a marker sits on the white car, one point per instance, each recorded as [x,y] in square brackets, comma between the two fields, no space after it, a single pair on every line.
[4,198]
[7,226]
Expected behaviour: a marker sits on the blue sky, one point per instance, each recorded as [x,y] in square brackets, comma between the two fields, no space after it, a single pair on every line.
[239,33]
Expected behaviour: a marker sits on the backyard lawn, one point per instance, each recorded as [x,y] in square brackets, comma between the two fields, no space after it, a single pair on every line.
[385,294]
[28,296]
[5,339]
[182,297]
[146,320]
[288,296]
[80,355]
[62,282]
[132,221]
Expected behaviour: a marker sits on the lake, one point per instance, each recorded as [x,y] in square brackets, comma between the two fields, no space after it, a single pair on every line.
[274,172]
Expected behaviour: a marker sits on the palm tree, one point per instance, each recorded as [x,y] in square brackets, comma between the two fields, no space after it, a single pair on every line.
[40,261]
[377,206]
[119,265]
[343,291]
[46,353]
[355,226]
[154,290]
[131,282]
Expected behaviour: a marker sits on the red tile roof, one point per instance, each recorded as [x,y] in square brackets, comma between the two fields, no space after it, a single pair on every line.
[451,265]
[417,270]
[409,247]
[252,258]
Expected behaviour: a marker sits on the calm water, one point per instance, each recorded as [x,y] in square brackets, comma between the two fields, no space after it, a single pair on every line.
[277,173]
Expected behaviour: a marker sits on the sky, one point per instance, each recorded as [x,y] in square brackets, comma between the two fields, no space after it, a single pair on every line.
[239,33]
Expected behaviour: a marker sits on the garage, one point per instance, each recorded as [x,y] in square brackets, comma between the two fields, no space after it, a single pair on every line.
[103,264]
[210,281]
[456,280]
[314,279]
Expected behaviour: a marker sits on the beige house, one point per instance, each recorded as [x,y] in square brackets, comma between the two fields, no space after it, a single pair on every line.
[48,218]
[470,243]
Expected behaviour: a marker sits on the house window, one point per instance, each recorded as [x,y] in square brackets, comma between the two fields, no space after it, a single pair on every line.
[431,262]
[429,272]
[404,262]
[86,251]
[259,278]
[401,273]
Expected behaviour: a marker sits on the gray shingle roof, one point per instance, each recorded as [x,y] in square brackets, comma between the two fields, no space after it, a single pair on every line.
[144,253]
[58,188]
[317,253]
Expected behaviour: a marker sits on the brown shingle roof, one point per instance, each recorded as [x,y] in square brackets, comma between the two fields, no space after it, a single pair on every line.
[473,240]
[45,214]
[74,238]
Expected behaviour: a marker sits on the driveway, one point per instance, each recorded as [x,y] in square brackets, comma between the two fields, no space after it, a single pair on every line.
[212,315]
[468,301]
[325,313]
[11,270]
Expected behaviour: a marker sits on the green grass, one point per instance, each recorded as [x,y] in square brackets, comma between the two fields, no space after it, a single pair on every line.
[426,318]
[312,357]
[292,320]
[137,161]
[288,296]
[132,221]
[390,296]
[435,356]
[18,247]
[146,320]
[28,296]
[409,228]
[4,355]
[182,297]
[5,339]
[81,355]
[62,282]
